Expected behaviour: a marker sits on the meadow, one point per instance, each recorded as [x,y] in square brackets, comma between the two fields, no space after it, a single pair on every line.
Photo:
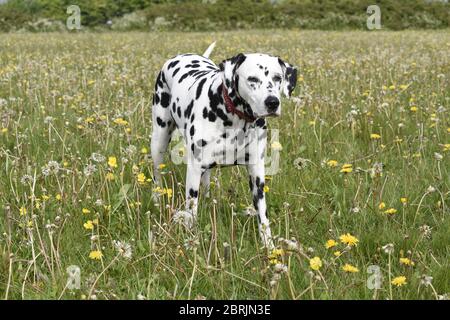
[359,206]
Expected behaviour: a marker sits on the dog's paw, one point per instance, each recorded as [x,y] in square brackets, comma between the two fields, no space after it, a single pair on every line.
[185,218]
[266,237]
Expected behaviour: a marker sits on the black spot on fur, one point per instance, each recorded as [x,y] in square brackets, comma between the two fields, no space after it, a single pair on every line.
[165,99]
[193,193]
[188,111]
[192,131]
[199,88]
[160,122]
[172,64]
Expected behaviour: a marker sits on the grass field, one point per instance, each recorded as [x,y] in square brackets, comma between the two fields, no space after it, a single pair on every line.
[364,180]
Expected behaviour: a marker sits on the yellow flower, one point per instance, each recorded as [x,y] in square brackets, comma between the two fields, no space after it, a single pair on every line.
[406,262]
[276,146]
[446,147]
[349,268]
[347,168]
[88,225]
[144,150]
[448,130]
[141,178]
[91,82]
[266,188]
[382,205]
[348,239]
[330,244]
[89,120]
[96,255]
[23,211]
[85,211]
[4,130]
[375,136]
[315,263]
[404,200]
[404,86]
[274,255]
[399,281]
[392,87]
[332,163]
[112,162]
[120,122]
[413,109]
[161,166]
[391,211]
[58,197]
[45,197]
[110,176]
[337,253]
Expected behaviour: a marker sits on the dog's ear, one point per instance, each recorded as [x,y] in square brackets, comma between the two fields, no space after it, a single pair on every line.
[229,67]
[289,78]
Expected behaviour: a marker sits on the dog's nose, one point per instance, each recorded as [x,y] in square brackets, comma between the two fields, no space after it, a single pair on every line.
[272,103]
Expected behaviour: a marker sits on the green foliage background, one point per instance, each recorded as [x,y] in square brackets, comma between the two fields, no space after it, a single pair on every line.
[199,15]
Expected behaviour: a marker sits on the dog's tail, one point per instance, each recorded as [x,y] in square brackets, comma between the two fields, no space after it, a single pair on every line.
[209,50]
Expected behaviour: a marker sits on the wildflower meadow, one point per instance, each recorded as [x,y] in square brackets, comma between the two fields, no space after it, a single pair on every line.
[359,204]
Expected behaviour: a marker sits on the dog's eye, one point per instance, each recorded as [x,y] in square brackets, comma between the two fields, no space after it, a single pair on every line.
[253,79]
[277,79]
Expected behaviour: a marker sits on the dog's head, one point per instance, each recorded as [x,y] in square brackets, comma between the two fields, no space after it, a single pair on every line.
[259,80]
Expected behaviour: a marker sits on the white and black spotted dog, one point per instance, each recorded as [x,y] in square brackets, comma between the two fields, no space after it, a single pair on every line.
[220,111]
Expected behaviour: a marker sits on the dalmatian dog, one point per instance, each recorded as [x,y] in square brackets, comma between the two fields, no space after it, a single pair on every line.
[220,112]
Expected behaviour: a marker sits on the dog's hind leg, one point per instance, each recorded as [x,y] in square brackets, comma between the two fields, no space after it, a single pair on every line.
[163,125]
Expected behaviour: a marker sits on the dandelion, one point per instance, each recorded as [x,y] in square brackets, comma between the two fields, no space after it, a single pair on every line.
[426,280]
[85,211]
[144,150]
[349,268]
[388,248]
[332,163]
[161,166]
[22,211]
[26,180]
[330,244]
[4,130]
[266,189]
[399,281]
[88,225]
[349,240]
[391,211]
[347,168]
[446,147]
[381,206]
[276,146]
[413,109]
[110,176]
[337,254]
[95,255]
[89,170]
[120,122]
[112,162]
[141,178]
[315,263]
[404,200]
[97,157]
[406,262]
[376,170]
[375,136]
[58,197]
[123,248]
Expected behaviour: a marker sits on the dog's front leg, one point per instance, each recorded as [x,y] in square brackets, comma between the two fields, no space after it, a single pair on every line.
[256,175]
[193,177]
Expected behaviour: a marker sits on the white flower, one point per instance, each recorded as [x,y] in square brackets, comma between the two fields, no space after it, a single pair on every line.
[123,248]
[389,248]
[97,157]
[426,280]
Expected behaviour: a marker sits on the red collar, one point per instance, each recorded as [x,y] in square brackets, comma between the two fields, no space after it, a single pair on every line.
[232,108]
